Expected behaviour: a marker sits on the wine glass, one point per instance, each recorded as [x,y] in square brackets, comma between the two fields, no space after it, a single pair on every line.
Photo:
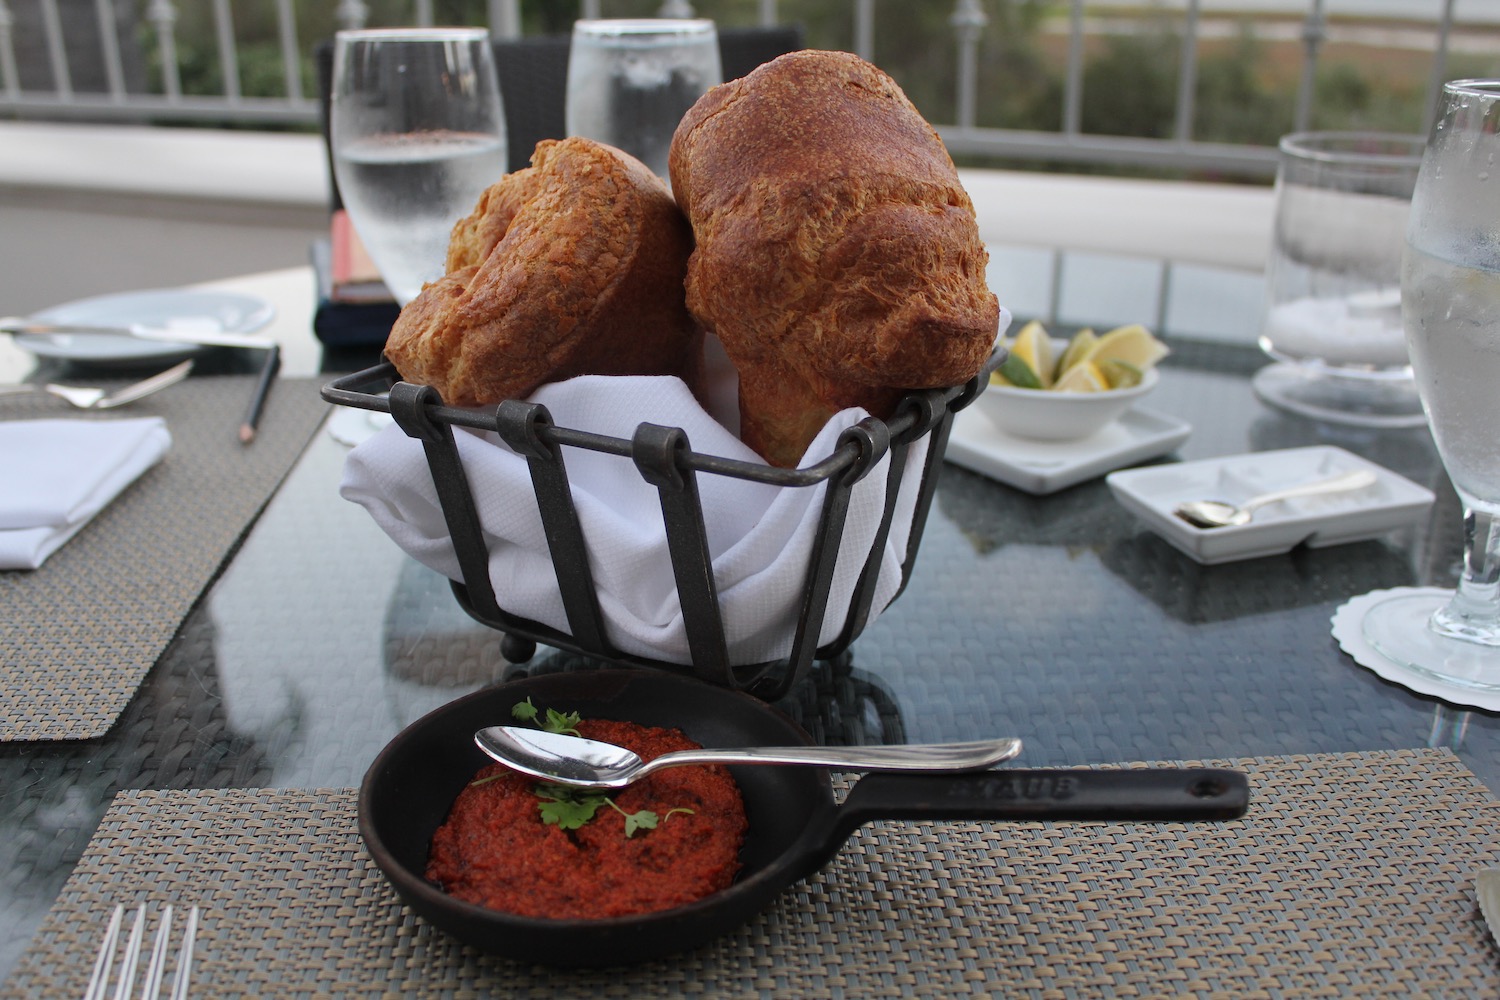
[417,132]
[631,81]
[1450,295]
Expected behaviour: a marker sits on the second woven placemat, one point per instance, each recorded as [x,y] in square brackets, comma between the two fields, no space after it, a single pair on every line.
[78,635]
[1351,876]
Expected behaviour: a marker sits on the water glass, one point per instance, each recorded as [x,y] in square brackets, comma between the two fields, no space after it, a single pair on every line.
[418,132]
[631,81]
[1450,302]
[1333,296]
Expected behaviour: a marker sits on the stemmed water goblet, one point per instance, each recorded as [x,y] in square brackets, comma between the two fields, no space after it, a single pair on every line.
[1450,295]
[418,132]
[631,81]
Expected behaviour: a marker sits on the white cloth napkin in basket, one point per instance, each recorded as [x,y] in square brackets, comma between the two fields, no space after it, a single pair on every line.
[57,474]
[760,537]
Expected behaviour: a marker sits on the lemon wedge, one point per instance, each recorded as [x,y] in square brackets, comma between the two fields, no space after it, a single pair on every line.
[1083,341]
[1133,344]
[1085,376]
[1033,347]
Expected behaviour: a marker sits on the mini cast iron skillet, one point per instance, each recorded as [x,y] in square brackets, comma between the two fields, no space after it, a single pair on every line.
[795,826]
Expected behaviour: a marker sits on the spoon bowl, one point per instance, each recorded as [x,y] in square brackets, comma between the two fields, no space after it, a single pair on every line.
[1217,514]
[584,763]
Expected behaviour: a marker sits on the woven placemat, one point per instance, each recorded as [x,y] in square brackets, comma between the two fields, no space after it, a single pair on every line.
[78,635]
[1351,876]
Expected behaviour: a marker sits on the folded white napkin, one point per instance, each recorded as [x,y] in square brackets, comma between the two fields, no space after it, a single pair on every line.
[57,474]
[760,536]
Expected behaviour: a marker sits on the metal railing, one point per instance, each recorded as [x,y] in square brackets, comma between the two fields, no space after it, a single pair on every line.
[124,86]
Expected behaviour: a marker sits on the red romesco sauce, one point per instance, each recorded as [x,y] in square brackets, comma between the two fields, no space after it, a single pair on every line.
[494,849]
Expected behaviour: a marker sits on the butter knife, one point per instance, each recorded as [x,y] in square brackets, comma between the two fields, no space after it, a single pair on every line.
[186,335]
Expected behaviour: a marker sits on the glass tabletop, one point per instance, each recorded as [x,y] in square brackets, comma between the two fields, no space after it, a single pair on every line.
[1057,618]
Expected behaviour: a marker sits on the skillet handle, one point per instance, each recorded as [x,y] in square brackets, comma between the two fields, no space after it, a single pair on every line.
[1176,794]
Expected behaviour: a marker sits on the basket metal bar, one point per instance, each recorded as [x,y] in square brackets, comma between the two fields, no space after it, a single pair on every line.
[355,389]
[863,597]
[520,425]
[874,440]
[932,468]
[656,451]
[345,391]
[921,414]
[937,446]
[410,407]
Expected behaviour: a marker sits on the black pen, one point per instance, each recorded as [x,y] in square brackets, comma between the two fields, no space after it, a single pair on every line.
[262,390]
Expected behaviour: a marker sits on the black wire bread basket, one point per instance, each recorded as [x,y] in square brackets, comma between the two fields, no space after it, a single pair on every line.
[665,460]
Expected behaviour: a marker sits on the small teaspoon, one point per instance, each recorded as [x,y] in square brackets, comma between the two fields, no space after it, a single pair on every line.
[583,763]
[1216,514]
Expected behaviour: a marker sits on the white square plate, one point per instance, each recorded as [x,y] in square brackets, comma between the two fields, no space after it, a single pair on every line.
[1048,466]
[1392,502]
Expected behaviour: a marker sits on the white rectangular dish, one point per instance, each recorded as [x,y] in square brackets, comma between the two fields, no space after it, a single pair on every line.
[1043,467]
[1390,503]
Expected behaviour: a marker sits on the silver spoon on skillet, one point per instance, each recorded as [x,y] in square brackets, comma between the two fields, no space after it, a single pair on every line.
[582,763]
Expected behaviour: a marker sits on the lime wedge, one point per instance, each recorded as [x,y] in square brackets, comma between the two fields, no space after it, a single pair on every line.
[1016,372]
[1121,374]
[1082,342]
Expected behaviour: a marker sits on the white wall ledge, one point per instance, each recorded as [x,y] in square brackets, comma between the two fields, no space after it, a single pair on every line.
[259,168]
[90,209]
[1222,225]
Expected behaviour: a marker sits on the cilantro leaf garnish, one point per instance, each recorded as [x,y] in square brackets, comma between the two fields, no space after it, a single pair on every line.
[553,721]
[557,722]
[645,819]
[568,808]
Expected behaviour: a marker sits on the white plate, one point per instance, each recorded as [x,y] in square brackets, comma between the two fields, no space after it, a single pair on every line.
[1048,466]
[226,312]
[1150,494]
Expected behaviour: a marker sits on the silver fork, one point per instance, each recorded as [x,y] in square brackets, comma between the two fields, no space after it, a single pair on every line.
[151,985]
[89,398]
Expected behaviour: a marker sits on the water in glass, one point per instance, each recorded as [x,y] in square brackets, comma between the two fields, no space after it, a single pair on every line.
[1451,311]
[418,133]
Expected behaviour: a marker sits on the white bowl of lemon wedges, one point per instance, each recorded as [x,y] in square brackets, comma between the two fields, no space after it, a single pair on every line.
[1050,389]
